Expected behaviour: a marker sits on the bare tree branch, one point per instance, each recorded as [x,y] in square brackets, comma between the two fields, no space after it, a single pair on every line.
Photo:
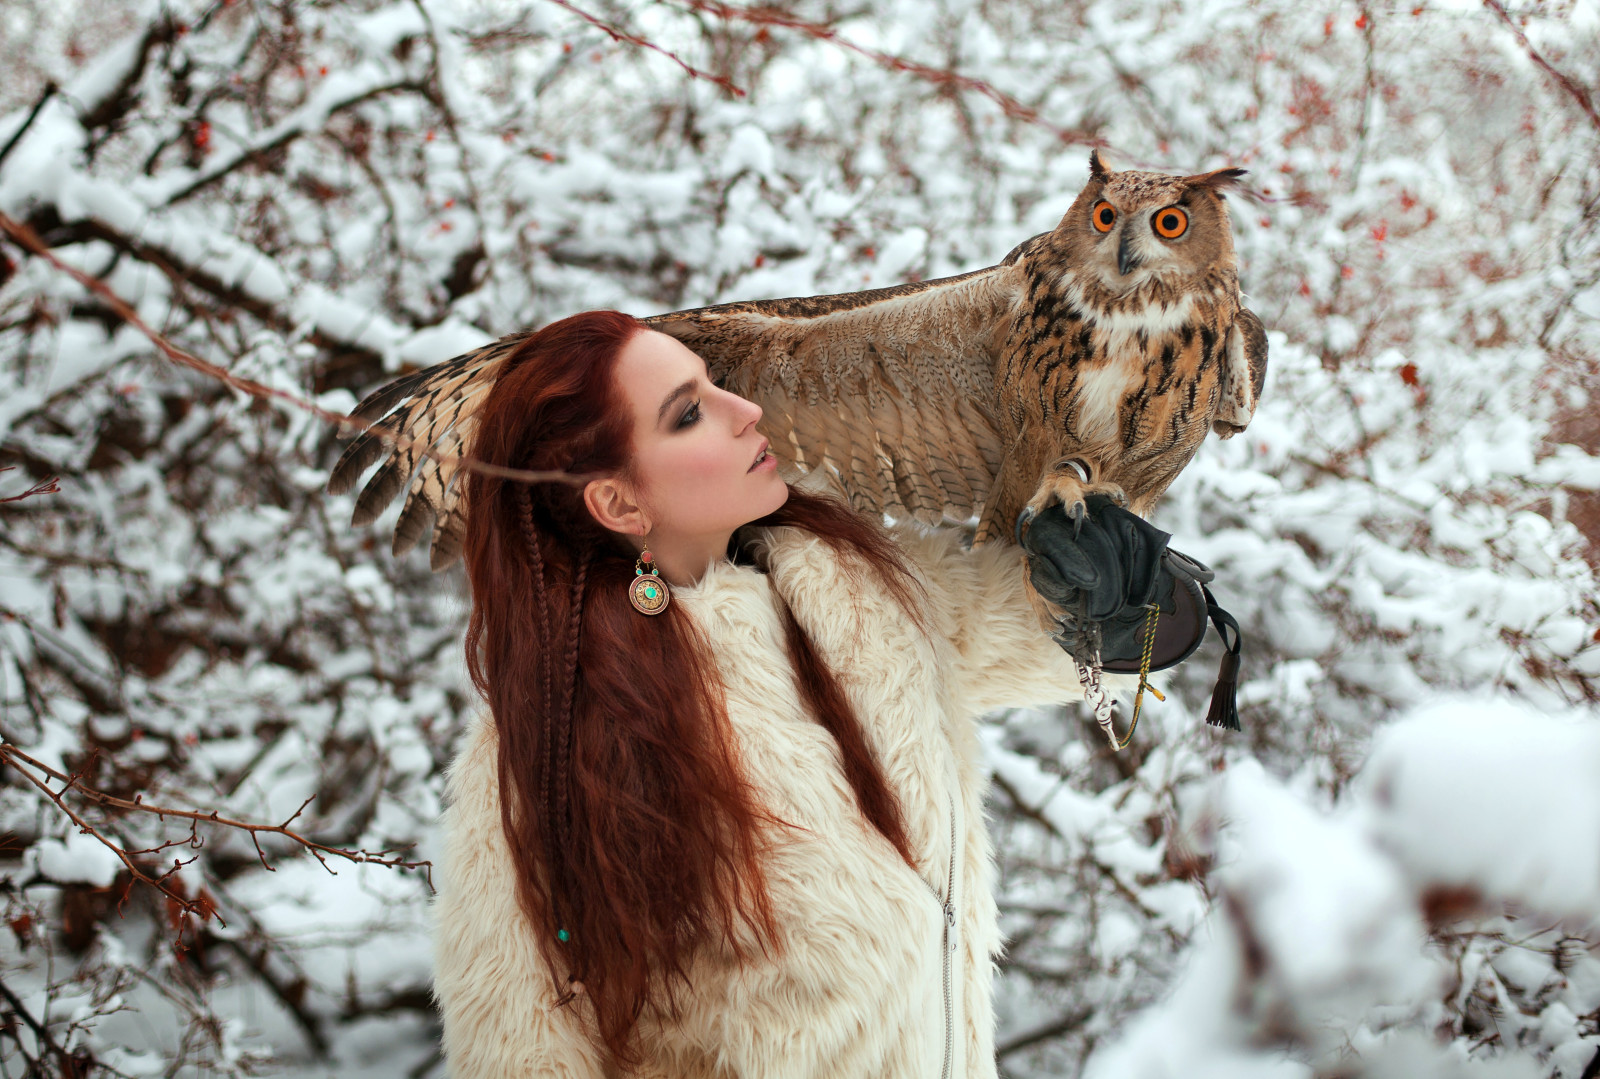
[321,851]
[25,237]
[1583,97]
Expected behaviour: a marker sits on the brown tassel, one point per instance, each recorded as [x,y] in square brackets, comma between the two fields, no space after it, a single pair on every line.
[1224,711]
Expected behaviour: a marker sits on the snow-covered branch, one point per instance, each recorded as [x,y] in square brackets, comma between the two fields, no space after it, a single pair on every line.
[305,199]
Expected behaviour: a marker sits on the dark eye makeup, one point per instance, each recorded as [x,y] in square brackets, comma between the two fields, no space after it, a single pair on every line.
[690,415]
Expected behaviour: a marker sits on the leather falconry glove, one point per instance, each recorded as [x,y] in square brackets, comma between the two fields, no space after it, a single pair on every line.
[1105,570]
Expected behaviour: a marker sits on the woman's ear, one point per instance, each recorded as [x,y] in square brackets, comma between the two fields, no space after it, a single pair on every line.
[612,505]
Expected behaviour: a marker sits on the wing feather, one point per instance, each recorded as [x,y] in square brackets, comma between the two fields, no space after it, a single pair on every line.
[435,408]
[893,389]
[1244,374]
[357,457]
[944,448]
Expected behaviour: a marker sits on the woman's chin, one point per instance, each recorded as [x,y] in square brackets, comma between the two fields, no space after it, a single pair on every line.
[776,494]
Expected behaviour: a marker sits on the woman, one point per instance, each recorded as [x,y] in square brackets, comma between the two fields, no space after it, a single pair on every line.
[743,835]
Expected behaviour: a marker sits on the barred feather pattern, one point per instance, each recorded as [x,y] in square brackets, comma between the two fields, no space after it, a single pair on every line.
[942,400]
[432,409]
[891,390]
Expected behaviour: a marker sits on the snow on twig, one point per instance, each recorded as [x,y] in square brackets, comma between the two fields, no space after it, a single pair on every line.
[310,117]
[1583,97]
[26,238]
[1016,110]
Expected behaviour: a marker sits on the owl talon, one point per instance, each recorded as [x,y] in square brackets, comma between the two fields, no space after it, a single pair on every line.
[1068,482]
[1024,519]
[1076,512]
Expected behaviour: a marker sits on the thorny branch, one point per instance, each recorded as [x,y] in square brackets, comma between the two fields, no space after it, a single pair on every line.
[184,903]
[49,486]
[24,764]
[617,34]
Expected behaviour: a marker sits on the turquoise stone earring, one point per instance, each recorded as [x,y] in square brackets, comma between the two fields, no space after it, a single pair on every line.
[648,593]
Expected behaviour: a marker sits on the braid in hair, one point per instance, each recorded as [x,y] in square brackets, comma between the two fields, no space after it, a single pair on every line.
[574,629]
[531,537]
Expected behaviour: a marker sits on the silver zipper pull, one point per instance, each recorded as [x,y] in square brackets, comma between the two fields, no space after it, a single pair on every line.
[950,924]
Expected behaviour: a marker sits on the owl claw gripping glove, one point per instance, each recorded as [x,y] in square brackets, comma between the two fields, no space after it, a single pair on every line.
[1104,570]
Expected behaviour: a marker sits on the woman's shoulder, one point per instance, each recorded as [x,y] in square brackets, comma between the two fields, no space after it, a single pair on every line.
[923,550]
[846,602]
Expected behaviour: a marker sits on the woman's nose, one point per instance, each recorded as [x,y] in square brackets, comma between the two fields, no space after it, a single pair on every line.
[748,412]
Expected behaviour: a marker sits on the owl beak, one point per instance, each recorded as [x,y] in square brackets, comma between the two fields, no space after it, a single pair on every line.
[1126,259]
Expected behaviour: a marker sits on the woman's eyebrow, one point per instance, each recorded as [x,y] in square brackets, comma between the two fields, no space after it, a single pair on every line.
[677,392]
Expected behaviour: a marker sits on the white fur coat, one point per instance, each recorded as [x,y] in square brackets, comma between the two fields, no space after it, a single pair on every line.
[858,988]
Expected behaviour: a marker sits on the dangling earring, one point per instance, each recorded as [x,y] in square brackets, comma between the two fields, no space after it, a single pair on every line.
[649,593]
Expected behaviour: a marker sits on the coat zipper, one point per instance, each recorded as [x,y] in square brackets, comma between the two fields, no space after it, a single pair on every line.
[947,904]
[947,907]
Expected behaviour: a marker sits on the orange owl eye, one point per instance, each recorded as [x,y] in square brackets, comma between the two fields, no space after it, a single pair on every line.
[1104,215]
[1170,223]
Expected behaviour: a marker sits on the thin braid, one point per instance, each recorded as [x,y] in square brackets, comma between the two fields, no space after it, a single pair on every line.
[574,630]
[531,537]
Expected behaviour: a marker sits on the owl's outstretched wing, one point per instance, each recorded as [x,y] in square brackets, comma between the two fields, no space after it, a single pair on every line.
[1244,373]
[892,390]
[436,407]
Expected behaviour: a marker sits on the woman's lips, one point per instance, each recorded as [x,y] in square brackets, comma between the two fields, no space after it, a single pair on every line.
[761,457]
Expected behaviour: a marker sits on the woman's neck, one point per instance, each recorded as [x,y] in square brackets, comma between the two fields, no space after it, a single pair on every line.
[683,560]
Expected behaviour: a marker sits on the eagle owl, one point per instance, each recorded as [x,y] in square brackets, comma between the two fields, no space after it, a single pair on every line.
[1116,341]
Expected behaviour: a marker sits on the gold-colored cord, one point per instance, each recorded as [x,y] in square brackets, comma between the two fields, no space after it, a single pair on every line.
[1144,673]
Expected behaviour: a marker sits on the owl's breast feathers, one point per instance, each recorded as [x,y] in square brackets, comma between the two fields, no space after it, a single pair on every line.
[1128,379]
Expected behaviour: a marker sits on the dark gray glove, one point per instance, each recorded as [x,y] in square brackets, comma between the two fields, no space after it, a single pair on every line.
[1103,571]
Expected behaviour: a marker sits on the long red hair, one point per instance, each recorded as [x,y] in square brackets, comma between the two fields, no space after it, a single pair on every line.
[636,837]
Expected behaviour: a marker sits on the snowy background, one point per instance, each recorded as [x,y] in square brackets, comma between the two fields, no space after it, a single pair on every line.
[1393,871]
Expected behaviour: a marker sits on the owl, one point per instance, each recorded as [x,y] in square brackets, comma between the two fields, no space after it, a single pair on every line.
[1093,359]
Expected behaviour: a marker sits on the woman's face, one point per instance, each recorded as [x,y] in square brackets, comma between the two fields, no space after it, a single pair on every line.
[700,468]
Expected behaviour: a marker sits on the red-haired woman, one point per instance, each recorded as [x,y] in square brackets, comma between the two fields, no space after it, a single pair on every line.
[723,815]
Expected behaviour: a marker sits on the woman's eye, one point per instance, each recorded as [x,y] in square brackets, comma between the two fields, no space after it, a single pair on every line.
[690,414]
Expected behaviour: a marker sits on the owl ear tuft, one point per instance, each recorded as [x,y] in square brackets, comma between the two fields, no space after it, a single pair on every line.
[1097,168]
[1219,181]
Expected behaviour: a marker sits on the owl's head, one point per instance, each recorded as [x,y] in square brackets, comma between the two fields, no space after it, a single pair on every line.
[1128,227]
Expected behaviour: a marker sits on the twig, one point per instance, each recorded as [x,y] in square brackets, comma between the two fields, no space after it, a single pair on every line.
[187,905]
[285,135]
[108,109]
[51,486]
[939,76]
[1053,1029]
[286,995]
[633,39]
[26,238]
[12,755]
[1579,94]
[27,121]
[98,687]
[1024,808]
[196,906]
[68,1065]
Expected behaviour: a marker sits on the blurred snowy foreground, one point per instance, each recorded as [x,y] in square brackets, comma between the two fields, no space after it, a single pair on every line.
[1319,936]
[1393,871]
